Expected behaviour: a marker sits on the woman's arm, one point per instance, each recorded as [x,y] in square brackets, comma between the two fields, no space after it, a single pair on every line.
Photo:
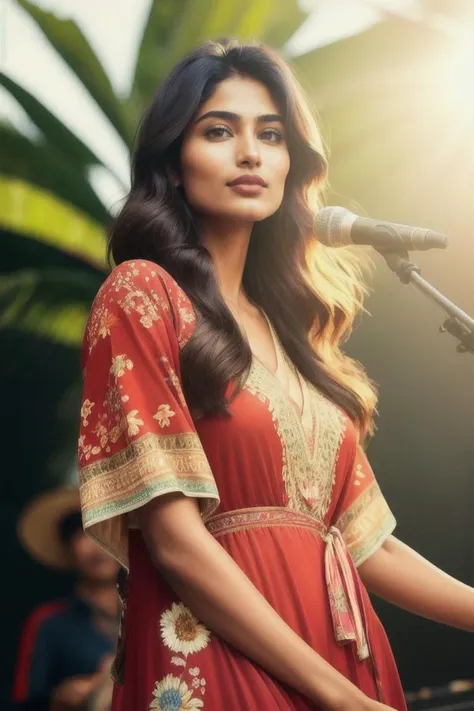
[216,590]
[401,576]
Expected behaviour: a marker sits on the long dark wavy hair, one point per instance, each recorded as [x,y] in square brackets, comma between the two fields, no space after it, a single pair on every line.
[310,293]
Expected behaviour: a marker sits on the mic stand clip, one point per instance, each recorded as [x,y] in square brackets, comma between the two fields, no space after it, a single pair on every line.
[459,324]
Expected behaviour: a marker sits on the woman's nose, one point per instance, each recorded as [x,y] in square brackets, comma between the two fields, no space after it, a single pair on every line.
[248,152]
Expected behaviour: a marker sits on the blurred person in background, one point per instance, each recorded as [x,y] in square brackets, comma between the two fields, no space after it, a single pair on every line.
[66,647]
[220,452]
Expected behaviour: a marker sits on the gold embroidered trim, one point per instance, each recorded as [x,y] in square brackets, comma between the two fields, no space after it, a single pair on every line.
[186,449]
[148,465]
[303,469]
[261,517]
[366,524]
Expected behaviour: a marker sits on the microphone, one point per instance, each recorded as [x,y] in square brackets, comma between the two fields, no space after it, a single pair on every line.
[338,227]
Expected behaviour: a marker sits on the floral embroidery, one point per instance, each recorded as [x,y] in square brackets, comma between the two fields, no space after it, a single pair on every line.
[198,683]
[187,315]
[178,661]
[163,415]
[123,289]
[86,450]
[86,410]
[173,694]
[120,364]
[339,599]
[103,324]
[134,423]
[308,471]
[182,632]
[174,380]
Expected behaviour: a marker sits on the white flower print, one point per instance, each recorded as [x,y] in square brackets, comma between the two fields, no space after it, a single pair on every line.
[186,315]
[178,662]
[86,410]
[172,694]
[85,450]
[163,415]
[200,684]
[120,364]
[182,632]
[134,423]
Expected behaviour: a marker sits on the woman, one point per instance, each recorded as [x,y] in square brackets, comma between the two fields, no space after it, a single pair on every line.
[220,449]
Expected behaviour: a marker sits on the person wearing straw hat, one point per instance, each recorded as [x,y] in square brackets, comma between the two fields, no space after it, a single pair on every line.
[66,647]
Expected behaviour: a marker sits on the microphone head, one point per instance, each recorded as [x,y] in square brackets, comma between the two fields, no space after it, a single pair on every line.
[332,226]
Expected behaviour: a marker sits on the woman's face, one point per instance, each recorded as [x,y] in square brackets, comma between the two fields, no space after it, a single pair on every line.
[234,158]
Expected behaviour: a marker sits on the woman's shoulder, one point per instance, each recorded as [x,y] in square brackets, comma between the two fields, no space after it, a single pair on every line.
[141,290]
[139,275]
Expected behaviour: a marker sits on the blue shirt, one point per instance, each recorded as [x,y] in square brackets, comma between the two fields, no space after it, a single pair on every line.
[59,641]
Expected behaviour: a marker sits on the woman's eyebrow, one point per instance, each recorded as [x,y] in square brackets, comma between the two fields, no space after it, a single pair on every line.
[230,116]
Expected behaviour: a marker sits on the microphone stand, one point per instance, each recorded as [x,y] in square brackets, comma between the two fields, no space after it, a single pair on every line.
[459,324]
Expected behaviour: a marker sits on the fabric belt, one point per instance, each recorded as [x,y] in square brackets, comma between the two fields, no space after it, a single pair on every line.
[344,596]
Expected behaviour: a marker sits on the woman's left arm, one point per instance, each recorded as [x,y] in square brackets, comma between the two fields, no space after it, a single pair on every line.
[401,576]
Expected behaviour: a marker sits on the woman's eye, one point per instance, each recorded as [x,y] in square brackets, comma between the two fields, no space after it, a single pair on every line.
[218,132]
[272,135]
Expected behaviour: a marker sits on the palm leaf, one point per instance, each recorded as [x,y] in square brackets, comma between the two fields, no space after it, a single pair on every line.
[53,303]
[162,21]
[51,127]
[28,210]
[70,43]
[171,31]
[284,22]
[244,19]
[40,164]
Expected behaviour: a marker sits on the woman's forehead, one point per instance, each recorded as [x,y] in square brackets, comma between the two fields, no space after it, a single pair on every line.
[243,96]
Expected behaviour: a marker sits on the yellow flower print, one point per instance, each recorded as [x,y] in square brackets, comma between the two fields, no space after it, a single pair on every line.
[86,410]
[163,415]
[120,364]
[172,694]
[182,632]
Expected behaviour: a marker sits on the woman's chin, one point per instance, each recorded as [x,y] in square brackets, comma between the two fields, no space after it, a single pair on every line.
[250,213]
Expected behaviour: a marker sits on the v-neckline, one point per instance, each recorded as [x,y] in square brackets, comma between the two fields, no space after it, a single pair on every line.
[305,415]
[279,360]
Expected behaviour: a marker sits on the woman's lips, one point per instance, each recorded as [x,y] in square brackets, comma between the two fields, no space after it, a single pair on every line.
[247,189]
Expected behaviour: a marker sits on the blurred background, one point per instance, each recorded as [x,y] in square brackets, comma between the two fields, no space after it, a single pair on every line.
[393,84]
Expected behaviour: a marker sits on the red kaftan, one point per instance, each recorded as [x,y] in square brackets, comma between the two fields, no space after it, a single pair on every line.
[288,494]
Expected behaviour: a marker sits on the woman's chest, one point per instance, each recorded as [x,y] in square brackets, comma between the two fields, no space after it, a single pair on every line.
[268,452]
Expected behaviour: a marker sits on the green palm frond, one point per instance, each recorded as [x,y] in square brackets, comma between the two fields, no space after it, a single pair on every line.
[245,19]
[70,43]
[42,165]
[52,303]
[53,130]
[28,210]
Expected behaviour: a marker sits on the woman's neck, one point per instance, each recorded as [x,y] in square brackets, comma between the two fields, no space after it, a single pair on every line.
[228,246]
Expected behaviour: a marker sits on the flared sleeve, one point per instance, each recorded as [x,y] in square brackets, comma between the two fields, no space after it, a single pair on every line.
[362,515]
[137,438]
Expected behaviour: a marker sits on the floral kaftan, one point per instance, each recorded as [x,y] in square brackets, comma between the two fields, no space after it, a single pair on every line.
[287,492]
